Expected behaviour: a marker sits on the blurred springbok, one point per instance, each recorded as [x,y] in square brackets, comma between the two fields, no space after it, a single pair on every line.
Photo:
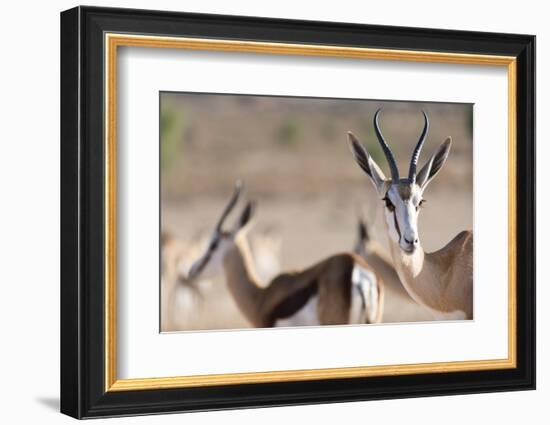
[178,302]
[183,302]
[442,281]
[338,290]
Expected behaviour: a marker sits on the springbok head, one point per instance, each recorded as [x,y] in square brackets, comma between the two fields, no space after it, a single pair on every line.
[402,197]
[211,261]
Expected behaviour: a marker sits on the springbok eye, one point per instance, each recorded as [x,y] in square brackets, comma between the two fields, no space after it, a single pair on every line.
[420,204]
[389,205]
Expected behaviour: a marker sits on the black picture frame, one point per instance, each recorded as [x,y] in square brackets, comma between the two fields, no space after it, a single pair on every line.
[83,392]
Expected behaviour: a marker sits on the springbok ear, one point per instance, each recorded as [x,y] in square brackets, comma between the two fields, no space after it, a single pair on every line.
[367,164]
[246,216]
[432,167]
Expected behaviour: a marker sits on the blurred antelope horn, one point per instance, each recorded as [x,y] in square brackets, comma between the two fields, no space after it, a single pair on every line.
[418,148]
[230,205]
[387,151]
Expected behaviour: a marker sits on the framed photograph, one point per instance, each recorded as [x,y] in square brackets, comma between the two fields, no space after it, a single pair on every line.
[261,212]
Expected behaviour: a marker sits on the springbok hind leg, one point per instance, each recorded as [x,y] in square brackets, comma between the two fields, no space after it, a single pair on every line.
[334,302]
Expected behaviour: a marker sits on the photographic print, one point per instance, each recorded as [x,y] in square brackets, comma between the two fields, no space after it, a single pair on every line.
[321,199]
[288,211]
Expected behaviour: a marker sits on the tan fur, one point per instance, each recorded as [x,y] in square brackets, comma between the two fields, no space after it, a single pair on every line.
[441,280]
[381,299]
[332,277]
[404,308]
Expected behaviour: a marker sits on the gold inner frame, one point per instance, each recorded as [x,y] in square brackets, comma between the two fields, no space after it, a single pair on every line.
[113,41]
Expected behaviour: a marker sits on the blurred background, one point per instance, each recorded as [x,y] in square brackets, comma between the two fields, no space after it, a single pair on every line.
[292,155]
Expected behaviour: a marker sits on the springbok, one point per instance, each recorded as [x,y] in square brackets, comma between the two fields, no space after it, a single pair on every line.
[341,289]
[178,303]
[398,304]
[442,281]
[186,306]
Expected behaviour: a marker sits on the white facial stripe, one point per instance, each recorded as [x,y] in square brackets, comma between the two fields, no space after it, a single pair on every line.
[390,220]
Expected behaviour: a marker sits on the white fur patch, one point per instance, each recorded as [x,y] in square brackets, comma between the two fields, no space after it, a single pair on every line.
[364,296]
[394,236]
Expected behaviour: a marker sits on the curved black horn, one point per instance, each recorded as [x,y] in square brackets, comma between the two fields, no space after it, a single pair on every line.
[387,151]
[418,148]
[230,205]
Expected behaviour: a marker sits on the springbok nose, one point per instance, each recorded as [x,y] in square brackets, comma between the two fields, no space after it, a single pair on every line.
[411,242]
